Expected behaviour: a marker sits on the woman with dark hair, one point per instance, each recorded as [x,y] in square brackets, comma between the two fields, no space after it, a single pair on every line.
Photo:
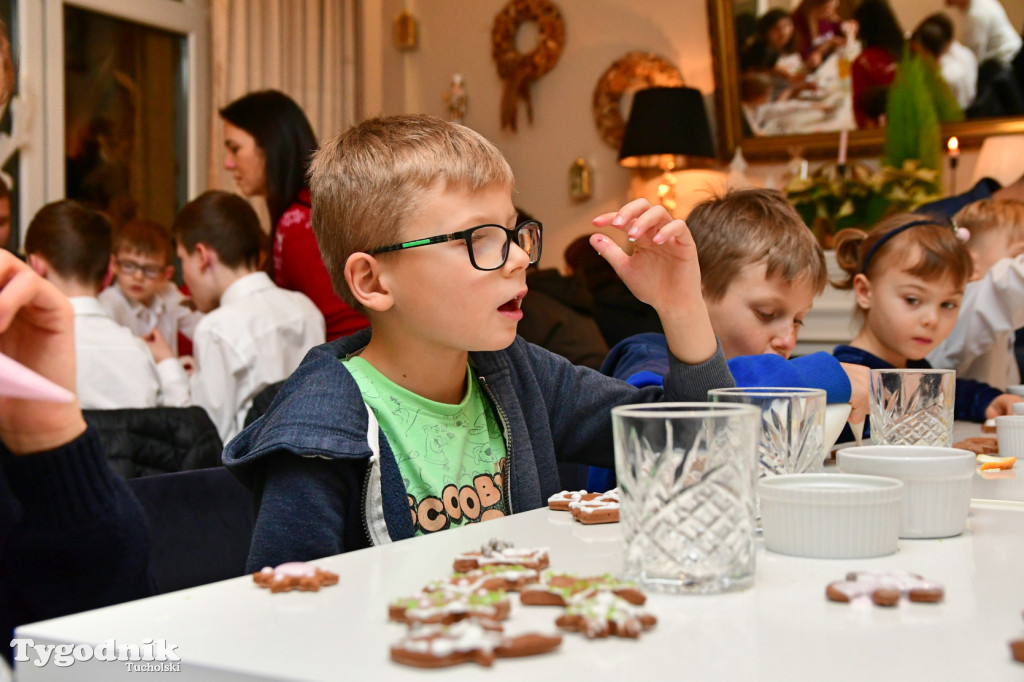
[875,68]
[269,142]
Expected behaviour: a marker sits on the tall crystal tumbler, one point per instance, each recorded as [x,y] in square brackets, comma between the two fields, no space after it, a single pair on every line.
[912,406]
[686,476]
[792,426]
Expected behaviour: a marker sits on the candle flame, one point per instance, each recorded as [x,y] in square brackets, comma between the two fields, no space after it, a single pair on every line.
[953,145]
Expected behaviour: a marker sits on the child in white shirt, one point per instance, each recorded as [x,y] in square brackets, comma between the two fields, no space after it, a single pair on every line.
[254,333]
[143,296]
[69,245]
[981,344]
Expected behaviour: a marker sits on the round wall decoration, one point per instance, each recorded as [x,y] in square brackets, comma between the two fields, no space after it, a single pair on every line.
[520,70]
[631,72]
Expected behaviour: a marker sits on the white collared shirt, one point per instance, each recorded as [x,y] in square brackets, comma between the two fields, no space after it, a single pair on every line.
[988,32]
[115,369]
[166,312]
[980,346]
[257,337]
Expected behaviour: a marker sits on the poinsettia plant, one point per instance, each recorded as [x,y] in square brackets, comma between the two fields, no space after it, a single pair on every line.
[835,197]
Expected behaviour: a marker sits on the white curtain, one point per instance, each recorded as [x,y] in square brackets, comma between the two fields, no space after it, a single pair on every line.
[304,48]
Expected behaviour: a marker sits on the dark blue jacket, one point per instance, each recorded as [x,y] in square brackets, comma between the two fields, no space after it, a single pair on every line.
[323,489]
[72,536]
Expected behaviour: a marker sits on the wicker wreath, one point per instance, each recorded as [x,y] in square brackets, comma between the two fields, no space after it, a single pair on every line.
[518,70]
[631,72]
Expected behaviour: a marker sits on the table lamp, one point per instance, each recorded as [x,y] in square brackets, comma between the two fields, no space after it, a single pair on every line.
[666,128]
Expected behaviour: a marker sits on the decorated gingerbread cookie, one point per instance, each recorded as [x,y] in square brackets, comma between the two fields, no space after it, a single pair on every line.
[884,588]
[561,501]
[495,577]
[979,445]
[439,646]
[447,606]
[604,613]
[603,508]
[500,553]
[295,575]
[559,589]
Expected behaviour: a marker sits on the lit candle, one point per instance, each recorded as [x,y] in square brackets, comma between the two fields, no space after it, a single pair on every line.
[842,146]
[954,147]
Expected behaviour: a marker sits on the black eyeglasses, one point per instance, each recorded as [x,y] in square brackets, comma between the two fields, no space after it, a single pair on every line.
[130,267]
[488,245]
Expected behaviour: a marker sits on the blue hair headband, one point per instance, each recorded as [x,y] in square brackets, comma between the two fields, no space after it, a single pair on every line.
[960,232]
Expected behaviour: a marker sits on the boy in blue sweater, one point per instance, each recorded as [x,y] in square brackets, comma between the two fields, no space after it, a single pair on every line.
[761,269]
[438,415]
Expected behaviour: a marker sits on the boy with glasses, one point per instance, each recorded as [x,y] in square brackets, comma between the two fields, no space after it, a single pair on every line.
[69,245]
[143,297]
[438,415]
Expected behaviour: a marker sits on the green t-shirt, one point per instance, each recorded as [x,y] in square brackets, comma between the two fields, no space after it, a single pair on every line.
[451,457]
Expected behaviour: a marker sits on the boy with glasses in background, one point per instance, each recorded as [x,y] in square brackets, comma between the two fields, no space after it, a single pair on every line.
[69,245]
[438,415]
[143,296]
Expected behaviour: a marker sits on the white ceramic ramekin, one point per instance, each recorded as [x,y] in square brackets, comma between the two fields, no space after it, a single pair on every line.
[1010,432]
[1018,408]
[830,516]
[938,484]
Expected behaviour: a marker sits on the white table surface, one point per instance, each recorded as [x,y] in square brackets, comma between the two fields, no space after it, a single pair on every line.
[782,629]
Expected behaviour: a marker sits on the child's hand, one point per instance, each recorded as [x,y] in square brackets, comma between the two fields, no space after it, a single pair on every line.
[1001,405]
[37,330]
[158,345]
[663,272]
[858,375]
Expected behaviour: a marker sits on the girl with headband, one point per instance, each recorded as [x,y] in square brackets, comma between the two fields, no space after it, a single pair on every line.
[908,276]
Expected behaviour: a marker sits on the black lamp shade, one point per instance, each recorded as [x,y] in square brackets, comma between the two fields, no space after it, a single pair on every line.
[665,126]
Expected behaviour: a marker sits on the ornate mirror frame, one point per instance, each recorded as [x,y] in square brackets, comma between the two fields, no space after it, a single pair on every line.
[725,57]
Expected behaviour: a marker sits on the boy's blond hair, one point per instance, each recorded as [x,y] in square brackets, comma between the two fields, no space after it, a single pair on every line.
[750,226]
[368,182]
[986,215]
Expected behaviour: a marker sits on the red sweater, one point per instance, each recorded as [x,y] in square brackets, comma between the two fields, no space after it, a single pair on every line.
[299,267]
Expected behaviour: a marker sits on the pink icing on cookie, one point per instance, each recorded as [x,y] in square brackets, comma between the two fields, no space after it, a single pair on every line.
[862,585]
[292,569]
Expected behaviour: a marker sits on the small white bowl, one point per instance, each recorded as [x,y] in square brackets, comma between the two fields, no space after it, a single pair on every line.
[938,484]
[1010,433]
[830,516]
[1016,389]
[835,419]
[1018,408]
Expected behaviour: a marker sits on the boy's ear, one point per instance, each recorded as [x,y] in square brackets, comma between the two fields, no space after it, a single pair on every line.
[38,264]
[113,263]
[862,291]
[207,256]
[367,282]
[169,273]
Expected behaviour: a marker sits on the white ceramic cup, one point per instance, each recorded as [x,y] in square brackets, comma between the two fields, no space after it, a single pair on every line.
[937,497]
[1010,433]
[1018,408]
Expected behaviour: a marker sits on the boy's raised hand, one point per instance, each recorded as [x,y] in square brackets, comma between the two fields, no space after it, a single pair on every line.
[37,330]
[663,272]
